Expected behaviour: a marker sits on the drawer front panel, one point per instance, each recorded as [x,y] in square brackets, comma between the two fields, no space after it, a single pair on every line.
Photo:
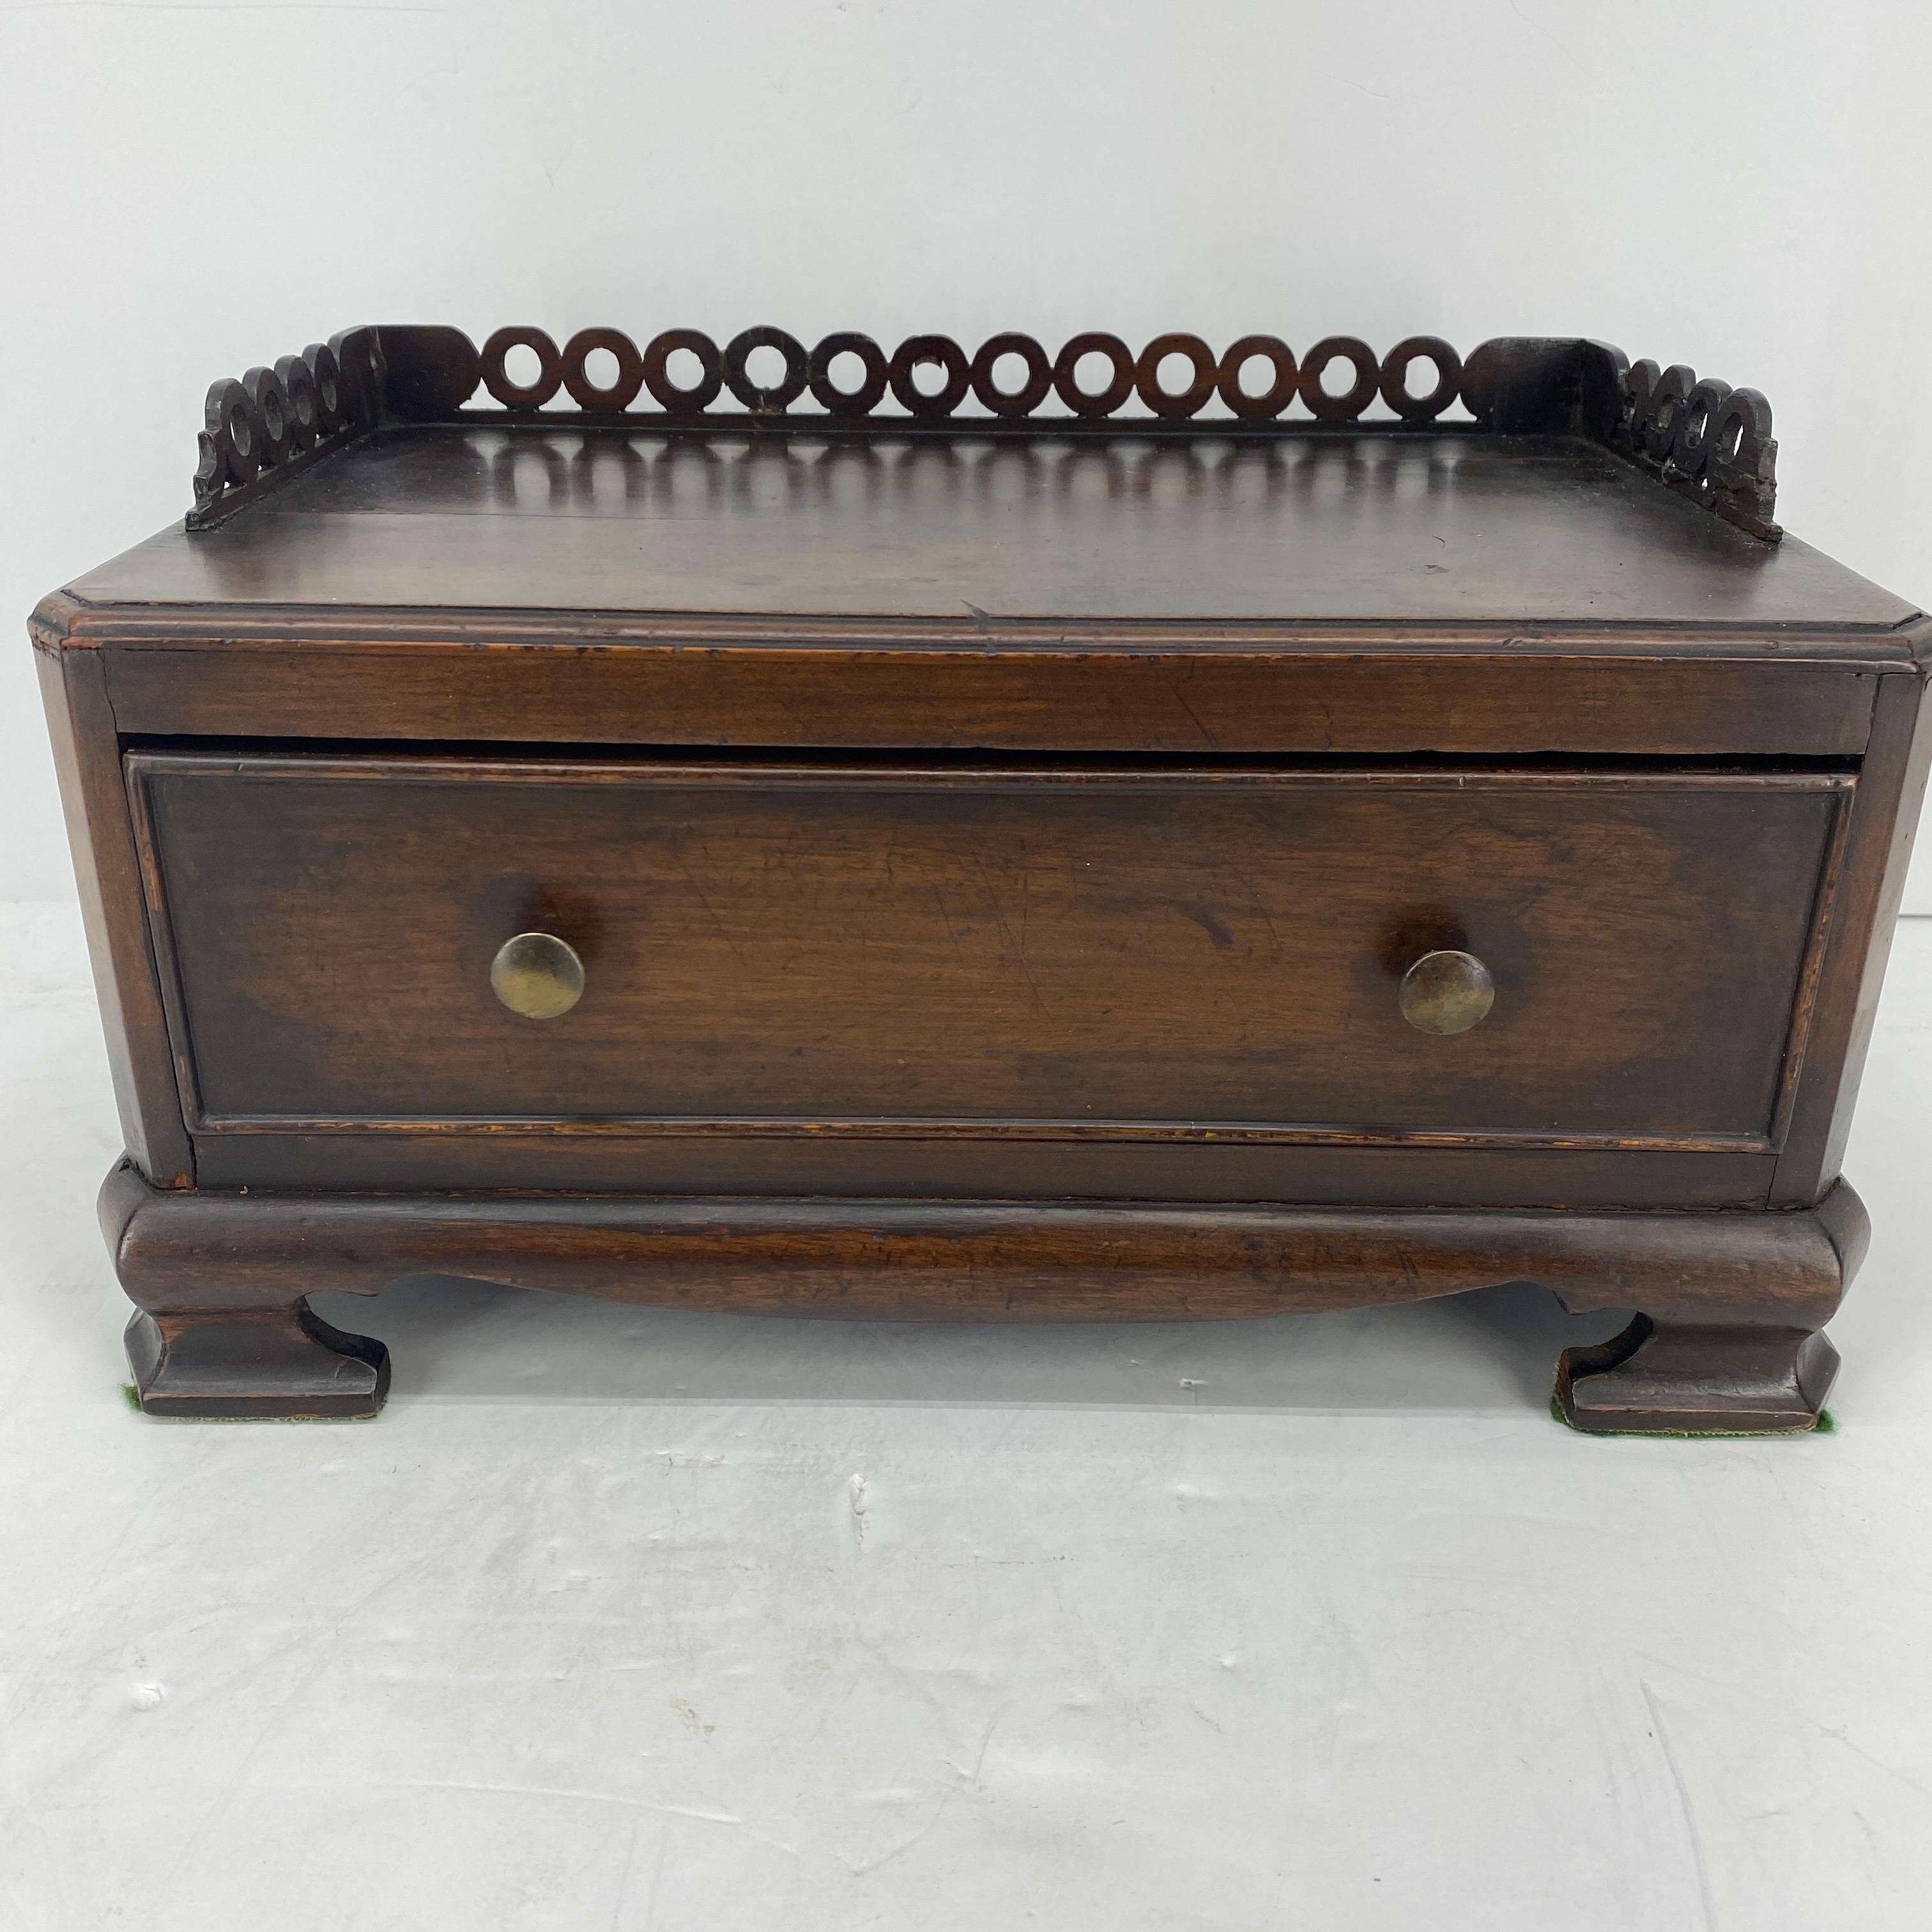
[798,949]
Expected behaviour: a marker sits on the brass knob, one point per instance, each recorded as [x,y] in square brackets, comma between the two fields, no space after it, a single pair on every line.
[1447,992]
[537,975]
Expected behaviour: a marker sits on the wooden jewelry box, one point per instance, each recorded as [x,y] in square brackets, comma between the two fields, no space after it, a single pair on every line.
[999,837]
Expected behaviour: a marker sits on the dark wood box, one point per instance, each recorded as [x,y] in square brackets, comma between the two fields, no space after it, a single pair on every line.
[1058,846]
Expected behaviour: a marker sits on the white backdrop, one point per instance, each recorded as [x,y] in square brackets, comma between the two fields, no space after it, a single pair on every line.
[191,189]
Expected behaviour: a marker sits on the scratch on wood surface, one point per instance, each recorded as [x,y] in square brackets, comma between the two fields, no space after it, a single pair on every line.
[1180,697]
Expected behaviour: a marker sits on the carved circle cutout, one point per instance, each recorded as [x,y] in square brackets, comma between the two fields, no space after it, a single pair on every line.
[755,396]
[1093,402]
[497,375]
[871,392]
[359,373]
[657,370]
[1174,404]
[1028,397]
[1269,402]
[1736,436]
[273,425]
[231,431]
[1669,394]
[1395,378]
[1344,408]
[1699,418]
[922,351]
[330,413]
[304,414]
[623,392]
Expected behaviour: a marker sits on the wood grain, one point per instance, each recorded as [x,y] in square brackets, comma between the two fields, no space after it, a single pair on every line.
[100,836]
[994,858]
[1879,835]
[1350,696]
[874,950]
[225,1329]
[1361,524]
[973,1260]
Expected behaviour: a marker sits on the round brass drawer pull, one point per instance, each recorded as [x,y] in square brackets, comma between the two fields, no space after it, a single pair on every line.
[537,975]
[1447,992]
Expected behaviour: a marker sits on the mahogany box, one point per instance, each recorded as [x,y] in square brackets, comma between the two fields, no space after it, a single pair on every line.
[999,837]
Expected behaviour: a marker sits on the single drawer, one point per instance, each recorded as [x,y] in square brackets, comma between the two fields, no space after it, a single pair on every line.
[858,949]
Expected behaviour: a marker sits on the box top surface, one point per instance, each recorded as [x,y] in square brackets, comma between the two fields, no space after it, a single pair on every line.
[1358,525]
